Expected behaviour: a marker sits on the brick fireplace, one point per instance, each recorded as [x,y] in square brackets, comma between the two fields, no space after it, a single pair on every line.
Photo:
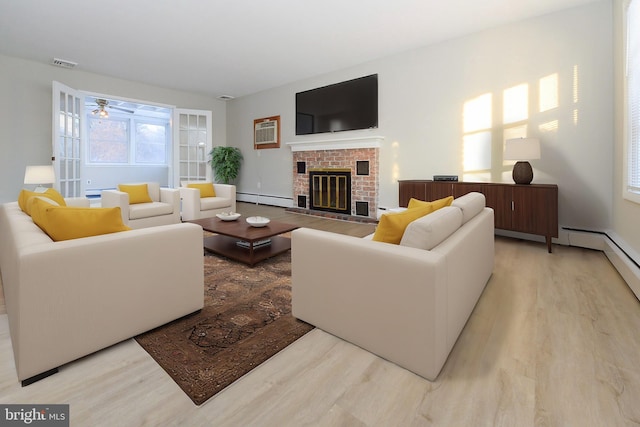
[360,156]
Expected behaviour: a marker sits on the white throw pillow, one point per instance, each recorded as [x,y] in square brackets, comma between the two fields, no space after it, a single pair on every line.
[427,232]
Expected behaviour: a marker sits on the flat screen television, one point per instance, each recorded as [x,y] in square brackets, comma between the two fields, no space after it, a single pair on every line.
[348,105]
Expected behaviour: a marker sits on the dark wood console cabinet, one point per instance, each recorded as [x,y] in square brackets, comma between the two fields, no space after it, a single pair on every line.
[531,209]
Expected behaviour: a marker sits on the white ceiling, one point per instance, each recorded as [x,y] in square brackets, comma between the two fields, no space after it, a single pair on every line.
[239,47]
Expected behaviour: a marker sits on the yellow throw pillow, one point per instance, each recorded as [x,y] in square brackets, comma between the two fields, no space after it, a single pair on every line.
[51,193]
[392,225]
[436,204]
[138,193]
[66,223]
[206,189]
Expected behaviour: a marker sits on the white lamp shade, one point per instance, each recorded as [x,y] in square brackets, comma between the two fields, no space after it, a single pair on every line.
[522,149]
[39,175]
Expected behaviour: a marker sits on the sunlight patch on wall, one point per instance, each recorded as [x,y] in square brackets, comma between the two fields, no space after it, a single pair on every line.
[477,124]
[477,151]
[477,113]
[548,87]
[550,126]
[477,177]
[395,170]
[576,93]
[516,104]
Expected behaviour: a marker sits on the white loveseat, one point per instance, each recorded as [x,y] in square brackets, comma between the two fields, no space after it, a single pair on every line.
[403,303]
[196,207]
[70,298]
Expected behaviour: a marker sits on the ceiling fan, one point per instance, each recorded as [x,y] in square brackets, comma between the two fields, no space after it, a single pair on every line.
[102,105]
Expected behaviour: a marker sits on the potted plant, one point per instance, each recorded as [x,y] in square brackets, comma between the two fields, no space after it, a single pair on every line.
[225,163]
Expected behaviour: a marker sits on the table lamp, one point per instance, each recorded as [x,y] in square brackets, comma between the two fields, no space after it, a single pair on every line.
[522,149]
[39,175]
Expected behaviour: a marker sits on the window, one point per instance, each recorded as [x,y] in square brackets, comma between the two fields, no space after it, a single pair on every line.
[151,143]
[632,186]
[108,140]
[127,140]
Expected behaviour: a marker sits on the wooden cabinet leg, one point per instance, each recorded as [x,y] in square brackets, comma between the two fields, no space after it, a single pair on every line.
[548,243]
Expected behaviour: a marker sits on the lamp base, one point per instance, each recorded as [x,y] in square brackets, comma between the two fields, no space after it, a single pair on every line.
[522,173]
[40,189]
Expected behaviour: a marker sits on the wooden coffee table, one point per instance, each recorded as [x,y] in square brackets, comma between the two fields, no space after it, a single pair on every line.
[241,242]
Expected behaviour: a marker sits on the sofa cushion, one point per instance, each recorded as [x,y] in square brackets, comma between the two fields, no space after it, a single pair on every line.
[392,225]
[146,210]
[471,205]
[436,204]
[206,189]
[66,223]
[50,193]
[138,193]
[427,232]
[209,203]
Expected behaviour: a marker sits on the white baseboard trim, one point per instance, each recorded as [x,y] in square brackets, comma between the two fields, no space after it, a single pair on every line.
[621,256]
[262,199]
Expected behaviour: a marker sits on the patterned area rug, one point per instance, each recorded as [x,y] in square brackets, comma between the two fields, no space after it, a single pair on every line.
[246,319]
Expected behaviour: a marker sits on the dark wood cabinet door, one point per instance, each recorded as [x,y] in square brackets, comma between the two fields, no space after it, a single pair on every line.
[535,209]
[409,189]
[438,190]
[499,199]
[462,188]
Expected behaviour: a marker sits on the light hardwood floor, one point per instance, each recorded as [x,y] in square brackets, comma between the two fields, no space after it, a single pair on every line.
[553,341]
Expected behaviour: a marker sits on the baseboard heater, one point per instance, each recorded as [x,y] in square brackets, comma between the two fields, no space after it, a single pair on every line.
[604,233]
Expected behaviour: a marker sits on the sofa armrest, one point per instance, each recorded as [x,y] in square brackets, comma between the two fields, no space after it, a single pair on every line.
[115,198]
[227,191]
[171,196]
[388,299]
[190,202]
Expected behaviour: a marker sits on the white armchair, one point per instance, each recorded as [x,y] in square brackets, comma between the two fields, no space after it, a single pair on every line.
[163,209]
[196,207]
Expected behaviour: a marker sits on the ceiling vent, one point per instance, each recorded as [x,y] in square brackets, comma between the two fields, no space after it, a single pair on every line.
[63,63]
[225,97]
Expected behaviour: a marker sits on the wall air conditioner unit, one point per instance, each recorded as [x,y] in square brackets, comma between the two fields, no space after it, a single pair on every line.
[266,132]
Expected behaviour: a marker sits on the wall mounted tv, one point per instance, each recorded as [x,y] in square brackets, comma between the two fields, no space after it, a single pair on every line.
[338,107]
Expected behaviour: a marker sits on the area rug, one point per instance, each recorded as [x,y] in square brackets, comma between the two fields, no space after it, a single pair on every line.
[246,319]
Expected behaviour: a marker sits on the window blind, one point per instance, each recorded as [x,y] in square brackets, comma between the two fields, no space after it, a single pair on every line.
[633,95]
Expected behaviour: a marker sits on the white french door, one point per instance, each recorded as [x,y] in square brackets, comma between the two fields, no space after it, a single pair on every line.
[67,129]
[192,140]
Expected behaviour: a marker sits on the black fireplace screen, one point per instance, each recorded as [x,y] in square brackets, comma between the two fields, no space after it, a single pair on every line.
[330,190]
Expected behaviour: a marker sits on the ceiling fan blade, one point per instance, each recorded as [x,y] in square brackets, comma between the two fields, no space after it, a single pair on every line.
[121,109]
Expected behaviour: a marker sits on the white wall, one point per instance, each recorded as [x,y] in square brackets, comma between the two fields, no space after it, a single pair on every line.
[422,98]
[25,112]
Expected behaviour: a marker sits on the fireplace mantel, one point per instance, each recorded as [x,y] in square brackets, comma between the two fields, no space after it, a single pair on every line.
[337,144]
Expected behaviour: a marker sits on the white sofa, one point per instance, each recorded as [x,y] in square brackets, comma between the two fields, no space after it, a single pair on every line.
[195,207]
[164,208]
[403,303]
[70,298]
